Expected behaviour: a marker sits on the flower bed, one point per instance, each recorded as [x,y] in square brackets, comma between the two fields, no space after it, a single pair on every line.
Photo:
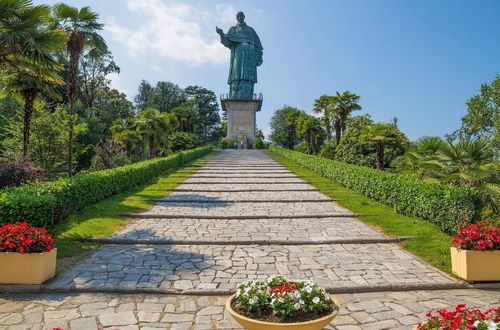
[462,318]
[27,254]
[481,236]
[23,238]
[278,300]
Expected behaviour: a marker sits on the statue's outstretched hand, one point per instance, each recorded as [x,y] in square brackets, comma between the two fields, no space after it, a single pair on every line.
[219,31]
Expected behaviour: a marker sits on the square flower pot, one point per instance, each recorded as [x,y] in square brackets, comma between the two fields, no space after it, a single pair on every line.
[473,265]
[27,268]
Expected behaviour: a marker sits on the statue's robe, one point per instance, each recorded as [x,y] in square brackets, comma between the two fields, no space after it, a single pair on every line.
[246,53]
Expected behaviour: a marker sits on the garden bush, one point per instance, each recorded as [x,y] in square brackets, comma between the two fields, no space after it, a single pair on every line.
[45,204]
[19,171]
[259,144]
[446,206]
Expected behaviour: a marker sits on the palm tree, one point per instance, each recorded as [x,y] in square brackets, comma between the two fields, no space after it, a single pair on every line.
[24,36]
[309,128]
[27,48]
[471,163]
[323,106]
[345,104]
[154,126]
[187,117]
[124,132]
[380,134]
[81,27]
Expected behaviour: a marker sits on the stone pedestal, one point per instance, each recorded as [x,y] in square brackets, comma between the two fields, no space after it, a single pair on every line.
[241,119]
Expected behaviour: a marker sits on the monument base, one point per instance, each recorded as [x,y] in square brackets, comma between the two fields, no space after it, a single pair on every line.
[241,120]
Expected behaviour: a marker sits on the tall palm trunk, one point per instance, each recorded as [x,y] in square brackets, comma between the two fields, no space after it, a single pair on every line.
[380,155]
[338,131]
[29,96]
[75,47]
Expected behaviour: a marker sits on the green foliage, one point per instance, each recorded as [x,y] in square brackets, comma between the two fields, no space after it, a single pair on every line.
[183,141]
[283,127]
[224,144]
[443,205]
[259,144]
[108,154]
[328,150]
[205,101]
[309,128]
[154,127]
[45,204]
[483,115]
[259,134]
[164,96]
[352,149]
[187,116]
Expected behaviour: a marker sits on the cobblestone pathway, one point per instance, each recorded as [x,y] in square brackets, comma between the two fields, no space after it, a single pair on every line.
[242,216]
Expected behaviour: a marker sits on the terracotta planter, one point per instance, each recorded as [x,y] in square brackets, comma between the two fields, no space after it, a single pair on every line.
[472,265]
[252,324]
[27,268]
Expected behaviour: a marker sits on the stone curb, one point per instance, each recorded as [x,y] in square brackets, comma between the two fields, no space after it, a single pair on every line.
[128,241]
[49,288]
[208,201]
[229,217]
[236,182]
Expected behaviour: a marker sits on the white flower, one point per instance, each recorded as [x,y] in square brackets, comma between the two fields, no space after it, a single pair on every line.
[281,300]
[308,289]
[252,301]
[315,300]
[296,294]
[492,325]
[237,293]
[301,302]
[296,306]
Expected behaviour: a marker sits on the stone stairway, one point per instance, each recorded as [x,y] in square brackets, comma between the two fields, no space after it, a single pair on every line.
[243,216]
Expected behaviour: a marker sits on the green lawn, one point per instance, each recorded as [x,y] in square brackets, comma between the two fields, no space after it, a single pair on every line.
[430,243]
[88,224]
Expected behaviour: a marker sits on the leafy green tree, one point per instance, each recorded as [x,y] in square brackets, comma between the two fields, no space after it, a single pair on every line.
[81,25]
[354,150]
[187,116]
[309,128]
[259,134]
[108,105]
[108,154]
[182,141]
[124,132]
[380,134]
[155,126]
[483,115]
[283,124]
[205,101]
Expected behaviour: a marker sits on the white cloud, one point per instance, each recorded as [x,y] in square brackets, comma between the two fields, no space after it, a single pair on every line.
[179,32]
[156,68]
[116,82]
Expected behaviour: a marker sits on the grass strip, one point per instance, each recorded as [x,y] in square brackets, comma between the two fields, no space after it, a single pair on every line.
[430,243]
[87,224]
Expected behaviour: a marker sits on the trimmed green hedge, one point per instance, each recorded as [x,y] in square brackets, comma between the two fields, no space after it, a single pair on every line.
[446,206]
[45,204]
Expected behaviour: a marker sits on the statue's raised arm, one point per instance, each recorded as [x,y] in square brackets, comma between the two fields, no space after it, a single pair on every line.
[246,55]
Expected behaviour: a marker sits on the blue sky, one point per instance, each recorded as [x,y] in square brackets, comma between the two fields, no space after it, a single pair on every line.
[418,61]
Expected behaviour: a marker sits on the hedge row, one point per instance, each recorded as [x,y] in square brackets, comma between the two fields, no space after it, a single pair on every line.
[444,205]
[45,204]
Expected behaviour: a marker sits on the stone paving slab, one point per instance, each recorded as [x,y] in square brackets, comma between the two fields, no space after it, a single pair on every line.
[382,310]
[268,196]
[222,267]
[224,230]
[276,209]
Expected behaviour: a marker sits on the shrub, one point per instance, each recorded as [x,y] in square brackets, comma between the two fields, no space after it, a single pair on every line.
[446,206]
[21,237]
[479,236]
[259,144]
[183,141]
[19,171]
[301,147]
[44,204]
[224,144]
[276,298]
[328,150]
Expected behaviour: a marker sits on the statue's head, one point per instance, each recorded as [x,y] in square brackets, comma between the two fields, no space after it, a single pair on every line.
[240,17]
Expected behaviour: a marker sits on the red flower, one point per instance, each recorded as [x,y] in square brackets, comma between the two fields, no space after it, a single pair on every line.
[22,238]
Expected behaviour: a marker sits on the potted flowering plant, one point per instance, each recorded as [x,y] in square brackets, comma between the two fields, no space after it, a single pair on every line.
[27,254]
[277,303]
[475,252]
[462,318]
